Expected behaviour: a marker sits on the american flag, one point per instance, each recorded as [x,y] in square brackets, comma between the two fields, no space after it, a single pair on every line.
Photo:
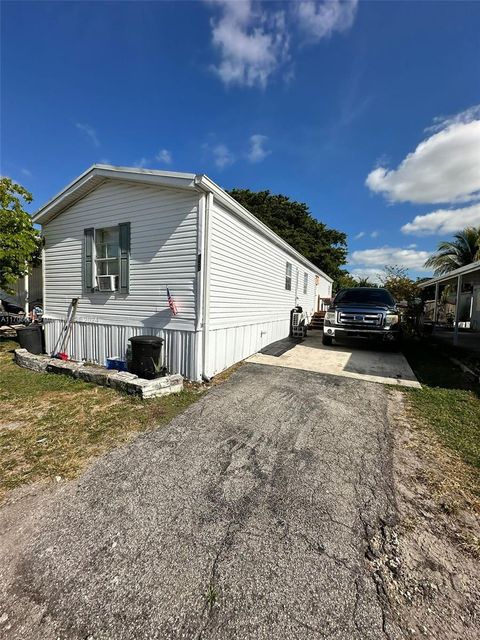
[171,303]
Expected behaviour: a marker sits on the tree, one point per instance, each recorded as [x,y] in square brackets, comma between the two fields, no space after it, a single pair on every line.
[463,250]
[19,241]
[400,285]
[365,282]
[292,221]
[344,281]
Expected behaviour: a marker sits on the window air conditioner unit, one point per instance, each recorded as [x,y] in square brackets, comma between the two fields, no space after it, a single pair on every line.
[106,283]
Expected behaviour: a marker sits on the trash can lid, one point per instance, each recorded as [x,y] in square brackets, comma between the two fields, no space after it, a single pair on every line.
[30,327]
[147,340]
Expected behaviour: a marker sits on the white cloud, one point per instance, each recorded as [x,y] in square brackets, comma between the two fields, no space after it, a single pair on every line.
[90,132]
[222,156]
[252,42]
[362,234]
[164,156]
[257,151]
[382,256]
[443,168]
[442,122]
[444,221]
[26,172]
[319,20]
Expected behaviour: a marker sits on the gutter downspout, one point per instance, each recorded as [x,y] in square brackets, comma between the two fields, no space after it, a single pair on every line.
[203,290]
[199,287]
[206,286]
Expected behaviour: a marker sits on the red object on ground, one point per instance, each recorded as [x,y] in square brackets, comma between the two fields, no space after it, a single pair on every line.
[62,356]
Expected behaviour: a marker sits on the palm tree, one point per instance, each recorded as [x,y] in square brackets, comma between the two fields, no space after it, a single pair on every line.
[463,250]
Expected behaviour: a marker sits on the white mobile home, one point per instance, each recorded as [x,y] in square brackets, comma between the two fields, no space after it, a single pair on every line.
[116,238]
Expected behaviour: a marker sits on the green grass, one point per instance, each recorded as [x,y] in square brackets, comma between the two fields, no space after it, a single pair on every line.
[51,425]
[448,403]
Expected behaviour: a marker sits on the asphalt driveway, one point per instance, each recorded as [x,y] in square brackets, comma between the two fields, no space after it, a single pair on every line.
[251,515]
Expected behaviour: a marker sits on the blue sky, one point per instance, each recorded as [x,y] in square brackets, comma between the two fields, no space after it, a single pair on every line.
[366,111]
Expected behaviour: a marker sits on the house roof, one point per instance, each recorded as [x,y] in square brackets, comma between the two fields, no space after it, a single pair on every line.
[473,268]
[97,174]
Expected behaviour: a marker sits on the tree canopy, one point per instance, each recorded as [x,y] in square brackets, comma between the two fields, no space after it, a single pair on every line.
[19,241]
[293,222]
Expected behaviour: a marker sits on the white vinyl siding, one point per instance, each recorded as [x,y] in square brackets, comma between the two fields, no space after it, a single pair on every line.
[249,305]
[163,253]
[247,275]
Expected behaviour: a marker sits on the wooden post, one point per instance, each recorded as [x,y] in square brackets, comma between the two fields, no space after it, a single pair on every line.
[457,310]
[435,308]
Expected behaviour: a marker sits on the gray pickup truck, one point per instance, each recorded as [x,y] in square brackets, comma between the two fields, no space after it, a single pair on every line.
[363,312]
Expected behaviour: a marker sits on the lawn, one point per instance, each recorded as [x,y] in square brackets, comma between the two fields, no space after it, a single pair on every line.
[51,426]
[448,403]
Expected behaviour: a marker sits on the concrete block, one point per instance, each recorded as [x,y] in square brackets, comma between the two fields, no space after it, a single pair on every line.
[119,380]
[122,381]
[63,367]
[92,374]
[31,361]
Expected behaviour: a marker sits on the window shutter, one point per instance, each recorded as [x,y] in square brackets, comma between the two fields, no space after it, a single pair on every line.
[124,235]
[88,235]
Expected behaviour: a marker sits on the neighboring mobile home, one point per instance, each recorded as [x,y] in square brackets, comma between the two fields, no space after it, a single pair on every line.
[116,238]
[27,291]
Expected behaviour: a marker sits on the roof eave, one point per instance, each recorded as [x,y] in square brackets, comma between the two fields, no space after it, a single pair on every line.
[97,174]
[469,268]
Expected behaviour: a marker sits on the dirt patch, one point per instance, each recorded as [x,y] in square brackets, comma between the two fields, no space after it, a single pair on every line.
[429,563]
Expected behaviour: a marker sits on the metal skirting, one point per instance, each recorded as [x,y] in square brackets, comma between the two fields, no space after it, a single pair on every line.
[96,342]
[230,345]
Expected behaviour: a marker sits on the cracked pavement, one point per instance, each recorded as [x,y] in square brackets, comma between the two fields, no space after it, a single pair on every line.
[251,515]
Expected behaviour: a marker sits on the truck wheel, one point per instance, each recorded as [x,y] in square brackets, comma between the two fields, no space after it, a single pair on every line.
[327,340]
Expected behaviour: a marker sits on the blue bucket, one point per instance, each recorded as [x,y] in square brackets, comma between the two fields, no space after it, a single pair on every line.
[116,363]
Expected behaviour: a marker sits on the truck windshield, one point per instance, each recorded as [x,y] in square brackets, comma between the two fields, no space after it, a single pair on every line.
[364,296]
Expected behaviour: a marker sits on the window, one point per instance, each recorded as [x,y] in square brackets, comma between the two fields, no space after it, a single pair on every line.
[361,295]
[288,277]
[107,252]
[305,282]
[106,259]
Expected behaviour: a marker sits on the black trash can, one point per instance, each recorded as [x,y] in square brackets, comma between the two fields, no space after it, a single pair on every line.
[146,357]
[31,338]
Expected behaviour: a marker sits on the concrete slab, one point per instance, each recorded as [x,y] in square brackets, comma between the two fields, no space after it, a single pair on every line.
[357,360]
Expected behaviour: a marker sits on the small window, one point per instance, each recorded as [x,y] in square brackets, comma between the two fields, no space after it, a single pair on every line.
[107,253]
[288,277]
[305,282]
